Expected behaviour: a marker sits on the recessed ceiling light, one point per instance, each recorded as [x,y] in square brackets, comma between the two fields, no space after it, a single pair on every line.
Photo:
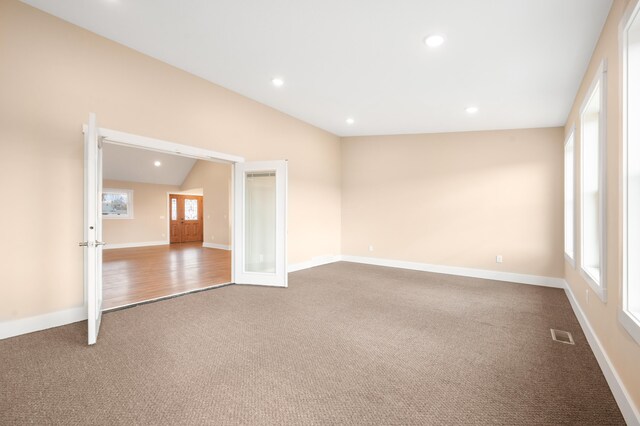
[471,109]
[434,40]
[350,120]
[157,163]
[278,82]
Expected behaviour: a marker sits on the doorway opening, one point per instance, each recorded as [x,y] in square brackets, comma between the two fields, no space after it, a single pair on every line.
[156,209]
[247,266]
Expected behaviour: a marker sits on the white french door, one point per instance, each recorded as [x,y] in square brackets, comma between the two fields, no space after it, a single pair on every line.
[259,226]
[260,223]
[93,227]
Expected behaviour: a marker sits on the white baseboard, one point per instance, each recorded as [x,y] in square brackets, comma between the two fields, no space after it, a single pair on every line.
[620,393]
[41,322]
[109,246]
[216,246]
[465,272]
[630,412]
[316,261]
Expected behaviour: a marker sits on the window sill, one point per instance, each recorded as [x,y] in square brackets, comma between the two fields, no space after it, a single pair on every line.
[598,289]
[630,324]
[571,261]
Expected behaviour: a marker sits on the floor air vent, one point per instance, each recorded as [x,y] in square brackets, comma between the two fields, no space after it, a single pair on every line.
[562,336]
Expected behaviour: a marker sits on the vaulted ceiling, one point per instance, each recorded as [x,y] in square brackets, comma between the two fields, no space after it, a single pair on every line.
[519,62]
[138,165]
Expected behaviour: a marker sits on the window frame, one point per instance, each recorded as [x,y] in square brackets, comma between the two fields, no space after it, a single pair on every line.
[600,80]
[629,321]
[571,258]
[129,193]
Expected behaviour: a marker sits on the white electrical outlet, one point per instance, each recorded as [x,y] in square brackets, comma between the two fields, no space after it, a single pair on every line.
[163,235]
[499,258]
[213,237]
[370,248]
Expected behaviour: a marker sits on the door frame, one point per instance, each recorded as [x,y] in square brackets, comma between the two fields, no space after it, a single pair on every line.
[136,141]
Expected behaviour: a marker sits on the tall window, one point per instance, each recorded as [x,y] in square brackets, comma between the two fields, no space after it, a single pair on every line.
[592,179]
[569,198]
[630,316]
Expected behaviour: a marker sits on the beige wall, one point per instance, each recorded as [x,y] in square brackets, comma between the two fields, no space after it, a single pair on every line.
[150,220]
[52,75]
[456,199]
[215,181]
[450,199]
[621,348]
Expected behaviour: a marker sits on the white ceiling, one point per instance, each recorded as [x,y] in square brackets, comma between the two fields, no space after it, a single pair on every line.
[519,61]
[136,165]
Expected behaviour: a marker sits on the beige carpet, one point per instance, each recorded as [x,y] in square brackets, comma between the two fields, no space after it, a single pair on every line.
[344,344]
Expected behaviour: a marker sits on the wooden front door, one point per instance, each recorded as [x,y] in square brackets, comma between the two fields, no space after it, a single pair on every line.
[185,218]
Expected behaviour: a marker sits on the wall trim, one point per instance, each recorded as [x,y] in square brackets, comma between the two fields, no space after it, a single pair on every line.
[315,261]
[216,246]
[20,326]
[630,412]
[465,272]
[109,246]
[439,269]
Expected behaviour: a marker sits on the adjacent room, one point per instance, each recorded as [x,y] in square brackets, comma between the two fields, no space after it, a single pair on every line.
[157,209]
[320,212]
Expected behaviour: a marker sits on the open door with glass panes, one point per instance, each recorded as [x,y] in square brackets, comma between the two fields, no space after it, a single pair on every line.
[259,226]
[260,223]
[93,243]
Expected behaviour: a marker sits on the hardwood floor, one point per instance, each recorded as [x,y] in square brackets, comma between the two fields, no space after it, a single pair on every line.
[133,275]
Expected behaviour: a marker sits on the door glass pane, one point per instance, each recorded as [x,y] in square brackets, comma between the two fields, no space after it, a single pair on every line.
[260,222]
[190,209]
[174,209]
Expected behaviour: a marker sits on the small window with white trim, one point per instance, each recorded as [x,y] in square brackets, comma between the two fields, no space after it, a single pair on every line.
[569,198]
[117,203]
[630,313]
[592,185]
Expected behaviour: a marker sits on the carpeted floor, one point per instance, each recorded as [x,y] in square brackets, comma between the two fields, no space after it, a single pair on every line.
[344,344]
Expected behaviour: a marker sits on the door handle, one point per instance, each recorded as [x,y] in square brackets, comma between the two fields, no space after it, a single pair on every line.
[94,244]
